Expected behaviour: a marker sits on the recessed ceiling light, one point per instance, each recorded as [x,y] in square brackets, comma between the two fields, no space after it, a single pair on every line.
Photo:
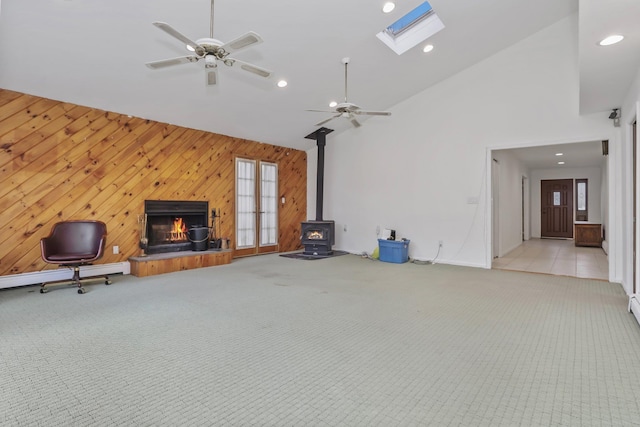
[388,7]
[561,163]
[613,39]
[428,48]
[282,83]
[333,104]
[559,154]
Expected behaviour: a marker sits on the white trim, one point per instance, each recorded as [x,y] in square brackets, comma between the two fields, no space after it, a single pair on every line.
[634,306]
[488,219]
[462,264]
[63,273]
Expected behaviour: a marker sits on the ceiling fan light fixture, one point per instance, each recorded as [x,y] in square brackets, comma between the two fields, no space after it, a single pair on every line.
[612,39]
[388,7]
[210,61]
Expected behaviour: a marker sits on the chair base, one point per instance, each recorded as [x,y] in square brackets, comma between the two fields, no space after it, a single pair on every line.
[76,280]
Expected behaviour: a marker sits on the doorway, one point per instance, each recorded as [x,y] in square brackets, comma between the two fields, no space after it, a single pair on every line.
[556,211]
[495,207]
[256,207]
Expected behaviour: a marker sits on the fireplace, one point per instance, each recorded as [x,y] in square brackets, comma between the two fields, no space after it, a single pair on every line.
[319,236]
[171,223]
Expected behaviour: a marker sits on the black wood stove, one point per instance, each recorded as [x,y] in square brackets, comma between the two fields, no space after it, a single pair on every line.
[318,236]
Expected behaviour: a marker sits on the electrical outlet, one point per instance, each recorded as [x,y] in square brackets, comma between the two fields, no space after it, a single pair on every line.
[439,243]
[116,250]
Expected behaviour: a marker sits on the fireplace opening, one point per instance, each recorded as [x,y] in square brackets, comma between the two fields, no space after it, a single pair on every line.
[318,237]
[171,222]
[315,235]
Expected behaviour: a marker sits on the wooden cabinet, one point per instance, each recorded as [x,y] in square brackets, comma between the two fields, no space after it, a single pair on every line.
[588,235]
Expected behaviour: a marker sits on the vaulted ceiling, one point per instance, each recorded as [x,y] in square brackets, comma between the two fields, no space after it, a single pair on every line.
[93,53]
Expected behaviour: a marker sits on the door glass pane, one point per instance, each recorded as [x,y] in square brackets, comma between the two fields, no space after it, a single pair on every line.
[582,196]
[268,204]
[556,198]
[245,203]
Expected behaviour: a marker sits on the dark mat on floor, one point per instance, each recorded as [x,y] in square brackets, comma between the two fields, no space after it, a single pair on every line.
[300,255]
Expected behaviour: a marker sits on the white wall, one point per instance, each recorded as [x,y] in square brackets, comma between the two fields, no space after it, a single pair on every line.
[415,170]
[604,205]
[630,113]
[510,200]
[594,196]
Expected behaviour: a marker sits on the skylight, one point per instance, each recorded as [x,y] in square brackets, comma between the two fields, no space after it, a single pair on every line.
[416,15]
[411,29]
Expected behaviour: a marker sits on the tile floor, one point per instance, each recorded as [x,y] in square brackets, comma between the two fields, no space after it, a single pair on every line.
[557,257]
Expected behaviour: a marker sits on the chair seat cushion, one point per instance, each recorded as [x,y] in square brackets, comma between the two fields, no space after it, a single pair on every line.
[70,257]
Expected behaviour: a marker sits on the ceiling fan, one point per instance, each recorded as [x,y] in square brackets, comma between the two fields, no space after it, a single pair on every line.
[347,109]
[211,51]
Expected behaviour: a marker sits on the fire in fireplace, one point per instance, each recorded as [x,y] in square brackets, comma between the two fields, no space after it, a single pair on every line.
[169,223]
[178,231]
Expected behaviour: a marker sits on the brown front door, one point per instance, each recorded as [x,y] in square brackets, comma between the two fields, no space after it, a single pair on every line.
[557,208]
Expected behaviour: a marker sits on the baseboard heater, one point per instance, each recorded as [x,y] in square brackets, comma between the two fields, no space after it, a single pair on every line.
[634,306]
[62,273]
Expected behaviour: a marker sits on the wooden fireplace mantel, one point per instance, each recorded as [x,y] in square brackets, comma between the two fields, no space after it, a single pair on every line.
[150,265]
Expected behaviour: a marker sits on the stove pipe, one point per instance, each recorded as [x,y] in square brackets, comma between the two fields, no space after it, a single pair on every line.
[321,141]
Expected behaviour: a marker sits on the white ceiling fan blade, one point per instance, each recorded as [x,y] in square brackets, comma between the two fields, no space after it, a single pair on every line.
[327,120]
[373,113]
[173,61]
[322,111]
[241,42]
[178,35]
[262,72]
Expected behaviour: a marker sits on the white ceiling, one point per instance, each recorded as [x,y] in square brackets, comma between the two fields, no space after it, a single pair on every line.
[575,155]
[93,53]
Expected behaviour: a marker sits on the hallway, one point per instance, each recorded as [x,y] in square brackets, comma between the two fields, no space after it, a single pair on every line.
[557,257]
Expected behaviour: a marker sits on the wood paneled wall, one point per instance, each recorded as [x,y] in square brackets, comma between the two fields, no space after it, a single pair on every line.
[60,161]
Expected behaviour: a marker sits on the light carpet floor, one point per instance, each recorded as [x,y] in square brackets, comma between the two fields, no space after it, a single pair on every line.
[344,341]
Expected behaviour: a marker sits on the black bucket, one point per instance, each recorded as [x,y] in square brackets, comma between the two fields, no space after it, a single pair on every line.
[199,237]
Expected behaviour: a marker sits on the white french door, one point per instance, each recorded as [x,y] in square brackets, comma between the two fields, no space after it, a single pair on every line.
[256,207]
